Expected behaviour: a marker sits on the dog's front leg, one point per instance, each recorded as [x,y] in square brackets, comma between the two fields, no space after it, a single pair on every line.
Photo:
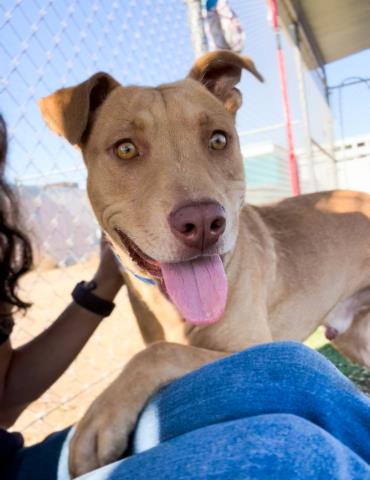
[101,436]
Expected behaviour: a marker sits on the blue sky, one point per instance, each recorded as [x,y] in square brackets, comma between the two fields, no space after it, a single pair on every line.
[356,98]
[46,45]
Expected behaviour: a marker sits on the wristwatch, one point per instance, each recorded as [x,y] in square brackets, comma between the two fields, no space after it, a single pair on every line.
[83,295]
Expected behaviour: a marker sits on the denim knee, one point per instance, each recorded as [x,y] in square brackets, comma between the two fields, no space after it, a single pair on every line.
[288,360]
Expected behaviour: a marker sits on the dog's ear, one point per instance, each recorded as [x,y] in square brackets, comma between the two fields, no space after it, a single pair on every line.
[219,72]
[67,111]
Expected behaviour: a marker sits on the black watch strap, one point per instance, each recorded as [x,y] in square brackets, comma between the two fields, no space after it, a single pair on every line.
[83,296]
[6,327]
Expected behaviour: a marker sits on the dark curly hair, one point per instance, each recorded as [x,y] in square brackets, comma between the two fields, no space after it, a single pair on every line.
[15,247]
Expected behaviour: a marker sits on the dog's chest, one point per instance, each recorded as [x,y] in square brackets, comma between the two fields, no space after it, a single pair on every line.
[163,310]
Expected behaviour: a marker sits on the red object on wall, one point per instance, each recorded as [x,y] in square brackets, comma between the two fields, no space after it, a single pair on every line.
[293,169]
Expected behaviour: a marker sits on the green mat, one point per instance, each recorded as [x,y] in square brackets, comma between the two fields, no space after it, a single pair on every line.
[358,374]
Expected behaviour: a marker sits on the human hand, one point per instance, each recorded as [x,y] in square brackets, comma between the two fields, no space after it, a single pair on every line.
[108,277]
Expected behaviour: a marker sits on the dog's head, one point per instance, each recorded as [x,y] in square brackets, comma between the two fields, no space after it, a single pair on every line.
[165,172]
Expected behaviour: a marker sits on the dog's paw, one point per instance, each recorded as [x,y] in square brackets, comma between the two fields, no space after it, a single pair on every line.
[101,436]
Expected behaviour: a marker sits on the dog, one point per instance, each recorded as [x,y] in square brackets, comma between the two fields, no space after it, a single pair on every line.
[166,183]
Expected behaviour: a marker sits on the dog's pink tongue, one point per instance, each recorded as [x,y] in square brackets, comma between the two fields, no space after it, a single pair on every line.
[198,288]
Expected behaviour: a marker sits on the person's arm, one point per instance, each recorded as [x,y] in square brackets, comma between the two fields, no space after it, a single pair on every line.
[28,371]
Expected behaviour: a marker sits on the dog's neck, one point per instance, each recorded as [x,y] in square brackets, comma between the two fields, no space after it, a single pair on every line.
[124,268]
[255,245]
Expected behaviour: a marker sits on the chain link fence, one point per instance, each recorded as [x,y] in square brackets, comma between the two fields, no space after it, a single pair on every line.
[47,44]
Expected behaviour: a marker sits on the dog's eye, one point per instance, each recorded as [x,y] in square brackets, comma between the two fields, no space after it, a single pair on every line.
[125,150]
[218,141]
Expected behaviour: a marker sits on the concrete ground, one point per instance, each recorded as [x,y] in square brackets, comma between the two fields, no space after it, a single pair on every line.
[115,341]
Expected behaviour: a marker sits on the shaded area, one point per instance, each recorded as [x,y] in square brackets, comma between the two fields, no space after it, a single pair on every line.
[60,222]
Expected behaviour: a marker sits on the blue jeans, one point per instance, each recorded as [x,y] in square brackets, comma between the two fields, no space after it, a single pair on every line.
[278,411]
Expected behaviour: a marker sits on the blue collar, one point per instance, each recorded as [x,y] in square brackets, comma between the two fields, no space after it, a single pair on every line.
[148,281]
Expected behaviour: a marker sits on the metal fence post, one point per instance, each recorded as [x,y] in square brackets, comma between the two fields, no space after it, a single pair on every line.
[294,178]
[305,121]
[198,37]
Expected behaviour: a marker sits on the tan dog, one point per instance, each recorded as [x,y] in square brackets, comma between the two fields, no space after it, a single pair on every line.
[166,182]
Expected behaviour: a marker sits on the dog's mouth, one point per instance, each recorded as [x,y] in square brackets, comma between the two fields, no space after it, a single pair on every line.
[142,260]
[198,287]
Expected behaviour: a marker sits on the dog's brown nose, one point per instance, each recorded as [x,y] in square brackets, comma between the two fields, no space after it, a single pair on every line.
[198,225]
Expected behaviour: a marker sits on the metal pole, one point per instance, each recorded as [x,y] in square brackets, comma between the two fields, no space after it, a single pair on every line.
[330,137]
[304,108]
[198,36]
[293,169]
